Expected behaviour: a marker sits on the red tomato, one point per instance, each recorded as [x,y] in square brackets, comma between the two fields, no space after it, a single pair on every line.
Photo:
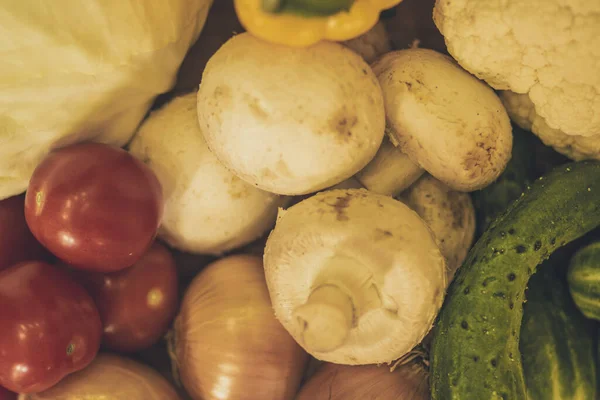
[16,241]
[6,395]
[137,304]
[50,327]
[94,206]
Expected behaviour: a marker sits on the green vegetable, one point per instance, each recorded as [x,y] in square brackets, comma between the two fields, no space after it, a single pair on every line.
[584,280]
[475,351]
[557,342]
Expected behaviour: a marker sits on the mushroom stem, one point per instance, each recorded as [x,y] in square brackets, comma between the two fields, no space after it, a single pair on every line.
[342,293]
[326,318]
[390,172]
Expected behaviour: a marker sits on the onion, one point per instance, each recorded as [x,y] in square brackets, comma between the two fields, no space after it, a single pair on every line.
[110,377]
[348,382]
[227,343]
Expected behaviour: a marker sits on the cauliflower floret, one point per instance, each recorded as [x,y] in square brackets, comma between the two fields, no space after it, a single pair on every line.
[546,49]
[522,111]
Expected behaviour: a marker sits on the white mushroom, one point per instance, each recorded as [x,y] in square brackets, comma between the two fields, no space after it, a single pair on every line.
[290,120]
[446,120]
[207,209]
[390,172]
[355,277]
[448,213]
[372,44]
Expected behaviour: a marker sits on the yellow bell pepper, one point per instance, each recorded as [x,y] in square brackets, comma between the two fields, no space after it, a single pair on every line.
[301,23]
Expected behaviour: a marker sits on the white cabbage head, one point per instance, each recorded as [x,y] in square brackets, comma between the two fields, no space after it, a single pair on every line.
[85,70]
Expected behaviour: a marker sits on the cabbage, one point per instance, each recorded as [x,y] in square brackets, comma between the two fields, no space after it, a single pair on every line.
[79,70]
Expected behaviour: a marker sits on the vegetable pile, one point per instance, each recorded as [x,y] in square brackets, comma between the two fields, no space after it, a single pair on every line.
[342,199]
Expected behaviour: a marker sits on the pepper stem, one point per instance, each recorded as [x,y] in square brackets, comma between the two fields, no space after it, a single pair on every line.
[307,7]
[342,294]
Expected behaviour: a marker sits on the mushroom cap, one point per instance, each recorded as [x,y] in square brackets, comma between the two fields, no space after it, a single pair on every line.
[396,251]
[446,120]
[372,43]
[290,120]
[207,208]
[449,214]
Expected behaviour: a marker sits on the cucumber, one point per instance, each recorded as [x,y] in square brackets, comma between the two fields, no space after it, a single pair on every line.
[557,342]
[475,350]
[584,280]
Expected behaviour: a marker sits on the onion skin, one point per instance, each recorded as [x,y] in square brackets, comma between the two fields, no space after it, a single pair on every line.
[110,377]
[228,344]
[367,382]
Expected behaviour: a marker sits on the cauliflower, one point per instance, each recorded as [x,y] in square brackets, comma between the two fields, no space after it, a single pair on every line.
[522,111]
[545,51]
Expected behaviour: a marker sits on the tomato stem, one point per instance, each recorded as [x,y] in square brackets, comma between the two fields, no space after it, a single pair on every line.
[307,8]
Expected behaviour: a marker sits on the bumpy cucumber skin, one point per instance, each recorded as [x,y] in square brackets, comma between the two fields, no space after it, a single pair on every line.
[584,280]
[557,342]
[475,350]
